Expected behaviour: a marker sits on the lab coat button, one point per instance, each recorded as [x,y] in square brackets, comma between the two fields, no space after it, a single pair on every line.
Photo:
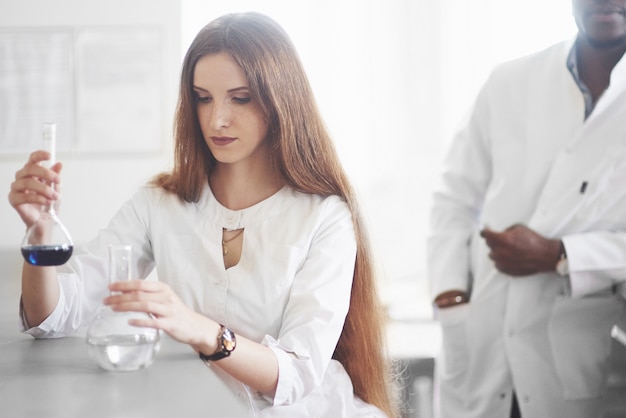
[503,396]
[526,398]
[233,221]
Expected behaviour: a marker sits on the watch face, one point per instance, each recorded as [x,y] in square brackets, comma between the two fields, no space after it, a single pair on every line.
[228,340]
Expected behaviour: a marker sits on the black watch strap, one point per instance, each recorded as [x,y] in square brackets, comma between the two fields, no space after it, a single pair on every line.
[226,342]
[214,357]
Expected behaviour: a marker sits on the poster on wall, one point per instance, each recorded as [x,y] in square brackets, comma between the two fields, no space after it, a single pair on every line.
[118,89]
[103,86]
[36,87]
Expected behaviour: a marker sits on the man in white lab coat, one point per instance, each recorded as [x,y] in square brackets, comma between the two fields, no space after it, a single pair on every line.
[528,244]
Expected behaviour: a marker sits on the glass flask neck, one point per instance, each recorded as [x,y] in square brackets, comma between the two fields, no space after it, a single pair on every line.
[119,262]
[49,144]
[48,209]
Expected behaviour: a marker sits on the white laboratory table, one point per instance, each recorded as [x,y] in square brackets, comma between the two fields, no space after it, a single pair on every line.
[56,378]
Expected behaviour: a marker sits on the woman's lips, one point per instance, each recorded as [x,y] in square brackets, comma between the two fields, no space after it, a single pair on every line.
[222,140]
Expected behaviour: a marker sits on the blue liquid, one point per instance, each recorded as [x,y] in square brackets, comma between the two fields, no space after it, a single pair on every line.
[47,255]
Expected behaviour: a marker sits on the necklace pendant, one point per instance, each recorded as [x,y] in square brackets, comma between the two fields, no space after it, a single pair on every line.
[224,248]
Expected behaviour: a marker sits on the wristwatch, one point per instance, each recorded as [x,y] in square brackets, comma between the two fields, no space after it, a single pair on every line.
[226,343]
[451,298]
[562,267]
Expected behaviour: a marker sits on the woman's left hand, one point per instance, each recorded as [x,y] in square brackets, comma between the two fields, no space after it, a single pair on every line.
[169,313]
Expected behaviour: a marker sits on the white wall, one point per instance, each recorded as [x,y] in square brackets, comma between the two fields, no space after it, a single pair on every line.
[392,77]
[373,65]
[95,186]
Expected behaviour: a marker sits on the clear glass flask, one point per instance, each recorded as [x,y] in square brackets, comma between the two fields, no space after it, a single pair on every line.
[112,342]
[47,242]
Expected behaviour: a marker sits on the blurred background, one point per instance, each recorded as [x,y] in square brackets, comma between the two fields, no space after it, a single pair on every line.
[393,79]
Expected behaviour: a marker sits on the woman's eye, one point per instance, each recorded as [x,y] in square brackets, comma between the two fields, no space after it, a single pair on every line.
[241,100]
[202,99]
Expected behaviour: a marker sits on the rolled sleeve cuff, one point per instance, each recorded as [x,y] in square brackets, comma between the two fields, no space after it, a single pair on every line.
[46,328]
[583,284]
[587,275]
[287,376]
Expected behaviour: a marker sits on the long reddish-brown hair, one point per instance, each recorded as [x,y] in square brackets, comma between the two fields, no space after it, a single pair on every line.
[303,154]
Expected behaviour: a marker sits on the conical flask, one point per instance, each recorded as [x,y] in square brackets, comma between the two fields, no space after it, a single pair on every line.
[47,242]
[112,342]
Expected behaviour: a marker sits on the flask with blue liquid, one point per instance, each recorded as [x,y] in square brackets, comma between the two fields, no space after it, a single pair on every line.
[47,242]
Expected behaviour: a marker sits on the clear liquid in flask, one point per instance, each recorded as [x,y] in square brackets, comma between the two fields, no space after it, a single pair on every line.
[123,352]
[112,342]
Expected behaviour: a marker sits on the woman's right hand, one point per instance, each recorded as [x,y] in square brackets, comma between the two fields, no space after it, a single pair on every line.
[32,190]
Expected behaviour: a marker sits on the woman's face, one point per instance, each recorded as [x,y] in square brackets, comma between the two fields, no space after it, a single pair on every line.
[232,124]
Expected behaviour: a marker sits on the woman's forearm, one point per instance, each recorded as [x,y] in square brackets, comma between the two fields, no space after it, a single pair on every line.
[253,364]
[40,293]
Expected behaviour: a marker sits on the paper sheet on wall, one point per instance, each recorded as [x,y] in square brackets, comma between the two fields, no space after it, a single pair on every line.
[35,87]
[102,86]
[119,85]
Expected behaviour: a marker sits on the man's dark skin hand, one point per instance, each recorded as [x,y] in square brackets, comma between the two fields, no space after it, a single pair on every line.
[520,251]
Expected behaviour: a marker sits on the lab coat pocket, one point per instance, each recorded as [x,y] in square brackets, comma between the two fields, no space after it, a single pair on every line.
[454,339]
[579,332]
[604,193]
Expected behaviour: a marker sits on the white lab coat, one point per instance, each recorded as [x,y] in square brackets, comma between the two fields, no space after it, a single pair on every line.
[290,290]
[523,157]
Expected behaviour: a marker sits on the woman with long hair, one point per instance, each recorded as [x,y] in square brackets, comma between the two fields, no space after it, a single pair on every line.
[263,262]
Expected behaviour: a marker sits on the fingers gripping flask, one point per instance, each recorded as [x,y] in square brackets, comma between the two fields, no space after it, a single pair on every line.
[112,342]
[47,242]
